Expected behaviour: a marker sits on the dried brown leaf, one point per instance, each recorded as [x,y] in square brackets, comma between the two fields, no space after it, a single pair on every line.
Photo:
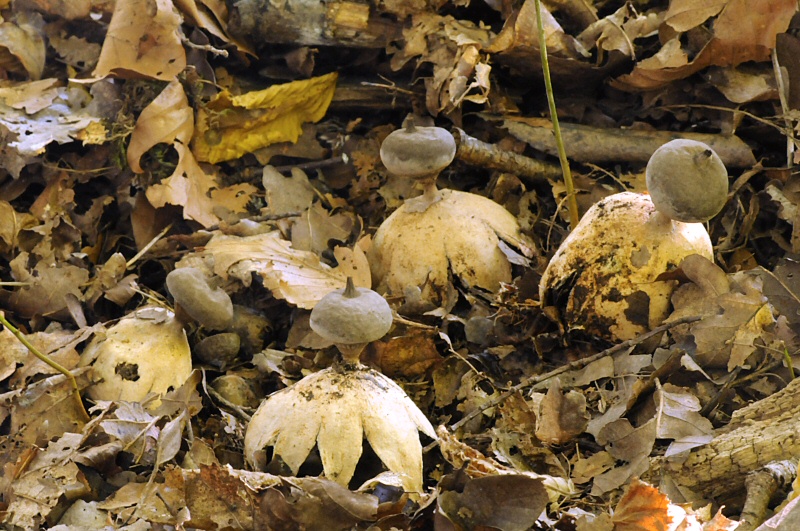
[143,41]
[48,288]
[562,416]
[508,502]
[22,46]
[684,15]
[744,31]
[410,355]
[641,508]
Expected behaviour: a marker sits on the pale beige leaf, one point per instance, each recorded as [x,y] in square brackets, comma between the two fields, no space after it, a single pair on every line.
[166,119]
[297,276]
[684,15]
[143,41]
[678,417]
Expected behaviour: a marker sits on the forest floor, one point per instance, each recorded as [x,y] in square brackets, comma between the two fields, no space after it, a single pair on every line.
[242,139]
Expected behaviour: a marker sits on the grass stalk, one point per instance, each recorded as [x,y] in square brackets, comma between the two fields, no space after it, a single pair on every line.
[49,361]
[572,202]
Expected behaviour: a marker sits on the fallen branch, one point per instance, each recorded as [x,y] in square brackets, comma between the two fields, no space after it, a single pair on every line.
[758,434]
[594,144]
[485,155]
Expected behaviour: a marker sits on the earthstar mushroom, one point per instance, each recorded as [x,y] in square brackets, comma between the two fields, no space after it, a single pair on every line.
[145,352]
[419,153]
[211,307]
[443,233]
[603,277]
[338,407]
[351,318]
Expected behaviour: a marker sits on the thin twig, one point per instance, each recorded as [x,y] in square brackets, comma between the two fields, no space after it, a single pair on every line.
[147,247]
[783,92]
[572,366]
[476,152]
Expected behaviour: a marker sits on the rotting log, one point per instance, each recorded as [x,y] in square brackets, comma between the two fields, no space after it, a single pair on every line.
[758,434]
[311,23]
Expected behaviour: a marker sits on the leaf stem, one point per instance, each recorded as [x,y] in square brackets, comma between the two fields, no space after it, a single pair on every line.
[49,361]
[572,202]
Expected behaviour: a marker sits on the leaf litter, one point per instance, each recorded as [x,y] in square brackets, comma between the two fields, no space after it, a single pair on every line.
[143,136]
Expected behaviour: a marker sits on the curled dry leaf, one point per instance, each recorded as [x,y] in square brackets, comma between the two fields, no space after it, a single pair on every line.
[477,465]
[744,30]
[230,126]
[287,194]
[507,502]
[297,276]
[49,291]
[169,119]
[641,508]
[562,416]
[735,312]
[335,409]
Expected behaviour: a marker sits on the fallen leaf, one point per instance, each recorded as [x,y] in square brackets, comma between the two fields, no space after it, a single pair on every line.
[736,315]
[297,276]
[167,119]
[231,126]
[618,31]
[22,45]
[58,114]
[411,354]
[678,418]
[45,409]
[507,502]
[48,288]
[287,194]
[562,416]
[745,30]
[49,481]
[317,229]
[143,41]
[641,508]
[68,9]
[190,186]
[683,15]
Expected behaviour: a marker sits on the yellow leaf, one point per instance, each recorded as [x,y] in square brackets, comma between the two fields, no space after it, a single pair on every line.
[232,126]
